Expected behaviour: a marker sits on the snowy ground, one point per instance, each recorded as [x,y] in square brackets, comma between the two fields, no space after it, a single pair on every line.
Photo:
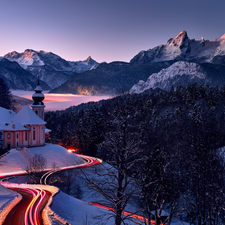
[73,208]
[6,196]
[16,161]
[79,211]
[8,199]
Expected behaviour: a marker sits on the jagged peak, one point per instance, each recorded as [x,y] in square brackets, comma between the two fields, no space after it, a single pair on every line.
[178,39]
[44,52]
[29,50]
[88,59]
[223,37]
[181,34]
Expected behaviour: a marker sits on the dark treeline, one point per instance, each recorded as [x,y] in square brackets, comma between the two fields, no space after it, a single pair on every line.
[180,133]
[6,99]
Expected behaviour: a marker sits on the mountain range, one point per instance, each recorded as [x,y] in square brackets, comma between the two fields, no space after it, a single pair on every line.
[51,68]
[179,62]
[182,48]
[196,61]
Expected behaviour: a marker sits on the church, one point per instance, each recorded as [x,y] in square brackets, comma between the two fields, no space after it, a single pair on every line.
[27,127]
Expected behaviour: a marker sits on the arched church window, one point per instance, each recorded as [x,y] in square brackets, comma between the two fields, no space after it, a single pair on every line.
[8,135]
[25,136]
[36,112]
[17,135]
[33,133]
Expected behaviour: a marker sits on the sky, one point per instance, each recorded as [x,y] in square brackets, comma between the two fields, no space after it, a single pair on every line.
[106,30]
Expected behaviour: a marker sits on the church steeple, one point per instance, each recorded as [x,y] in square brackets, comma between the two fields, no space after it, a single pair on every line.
[38,106]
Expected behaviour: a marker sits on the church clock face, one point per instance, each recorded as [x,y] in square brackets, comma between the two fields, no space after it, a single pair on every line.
[8,135]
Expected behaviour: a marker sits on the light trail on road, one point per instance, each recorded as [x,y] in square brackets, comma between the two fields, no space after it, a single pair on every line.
[32,215]
[89,161]
[38,196]
[126,213]
[35,197]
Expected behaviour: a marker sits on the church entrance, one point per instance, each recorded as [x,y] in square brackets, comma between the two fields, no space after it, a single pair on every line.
[8,146]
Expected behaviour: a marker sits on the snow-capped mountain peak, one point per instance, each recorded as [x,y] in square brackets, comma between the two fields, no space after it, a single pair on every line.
[90,61]
[223,37]
[182,48]
[52,69]
[27,58]
[179,39]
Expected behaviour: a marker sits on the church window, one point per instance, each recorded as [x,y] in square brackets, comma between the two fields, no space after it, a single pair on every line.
[8,135]
[36,112]
[17,135]
[25,136]
[33,133]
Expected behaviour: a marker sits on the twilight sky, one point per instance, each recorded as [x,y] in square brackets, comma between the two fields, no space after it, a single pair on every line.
[106,30]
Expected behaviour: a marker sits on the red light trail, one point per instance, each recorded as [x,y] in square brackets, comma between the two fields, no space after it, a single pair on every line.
[38,195]
[126,213]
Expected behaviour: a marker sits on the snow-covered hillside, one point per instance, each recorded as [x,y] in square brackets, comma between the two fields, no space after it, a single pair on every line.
[176,74]
[56,156]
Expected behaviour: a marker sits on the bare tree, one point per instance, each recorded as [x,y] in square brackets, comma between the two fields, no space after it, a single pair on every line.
[121,149]
[37,163]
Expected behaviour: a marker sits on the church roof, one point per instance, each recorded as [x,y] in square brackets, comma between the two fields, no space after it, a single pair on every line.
[6,115]
[27,116]
[14,127]
[38,88]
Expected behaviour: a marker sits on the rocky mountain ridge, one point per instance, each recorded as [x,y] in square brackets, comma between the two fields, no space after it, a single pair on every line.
[182,73]
[181,47]
[18,78]
[51,68]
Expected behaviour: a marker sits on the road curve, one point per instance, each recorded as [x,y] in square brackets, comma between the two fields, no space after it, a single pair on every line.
[89,161]
[16,215]
[29,210]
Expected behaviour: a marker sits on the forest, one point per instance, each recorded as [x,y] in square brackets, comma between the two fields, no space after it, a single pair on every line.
[6,98]
[170,143]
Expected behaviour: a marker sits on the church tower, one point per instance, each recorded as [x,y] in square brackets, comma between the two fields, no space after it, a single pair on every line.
[38,106]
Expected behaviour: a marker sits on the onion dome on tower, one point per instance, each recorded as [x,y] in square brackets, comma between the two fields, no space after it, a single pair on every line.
[38,97]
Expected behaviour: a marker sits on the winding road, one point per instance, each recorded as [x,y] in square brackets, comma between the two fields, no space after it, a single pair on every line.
[29,210]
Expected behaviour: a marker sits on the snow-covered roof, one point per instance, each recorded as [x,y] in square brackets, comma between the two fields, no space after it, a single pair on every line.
[27,116]
[13,127]
[6,115]
[47,130]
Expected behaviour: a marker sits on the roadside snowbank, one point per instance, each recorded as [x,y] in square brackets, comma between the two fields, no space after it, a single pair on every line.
[8,199]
